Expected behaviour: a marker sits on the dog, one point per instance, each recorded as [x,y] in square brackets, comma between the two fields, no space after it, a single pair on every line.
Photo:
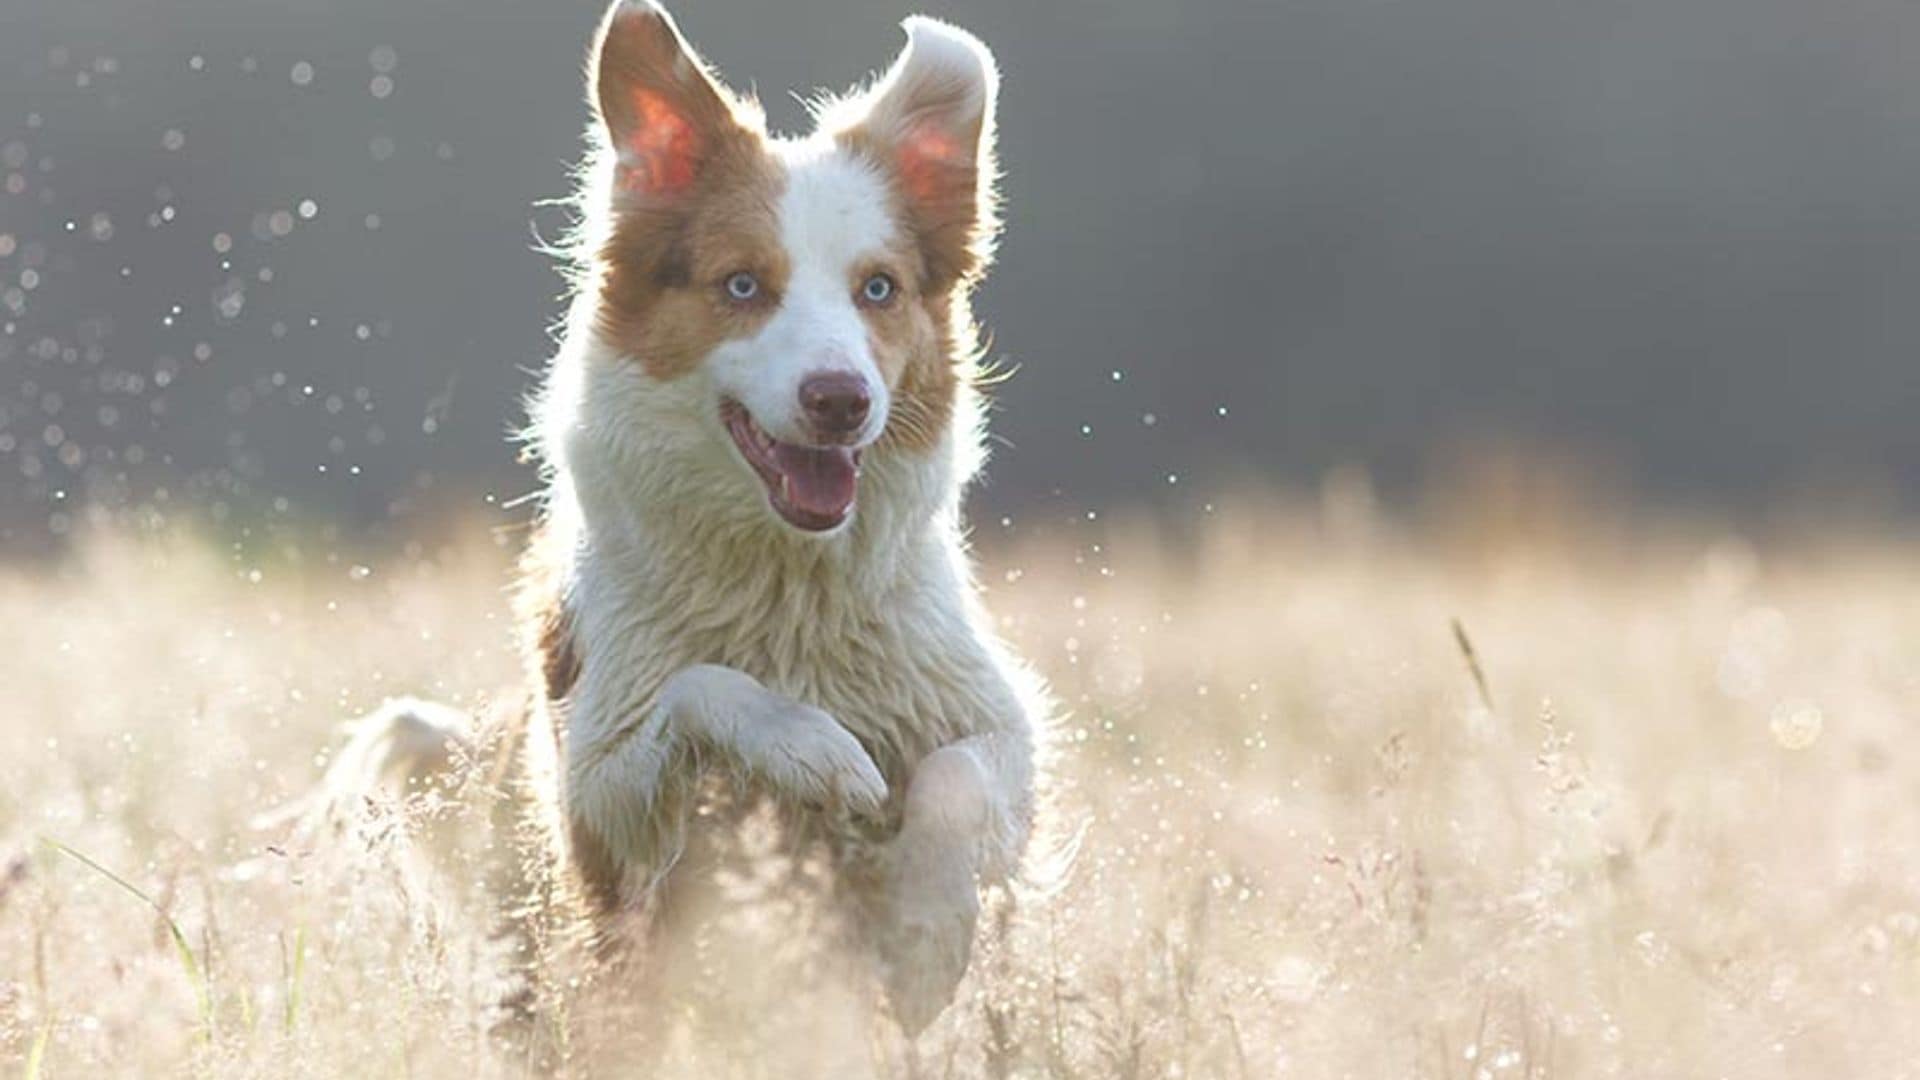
[748,589]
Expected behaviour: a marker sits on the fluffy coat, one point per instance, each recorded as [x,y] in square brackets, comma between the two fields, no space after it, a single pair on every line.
[694,655]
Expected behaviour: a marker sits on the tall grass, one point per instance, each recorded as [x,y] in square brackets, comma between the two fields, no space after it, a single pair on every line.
[1356,802]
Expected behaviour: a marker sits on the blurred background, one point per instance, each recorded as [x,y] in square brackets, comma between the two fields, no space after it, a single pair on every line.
[273,260]
[1460,482]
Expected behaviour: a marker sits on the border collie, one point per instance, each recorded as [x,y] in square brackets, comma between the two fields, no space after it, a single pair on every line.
[748,591]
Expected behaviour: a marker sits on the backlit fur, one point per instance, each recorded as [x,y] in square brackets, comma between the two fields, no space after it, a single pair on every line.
[690,655]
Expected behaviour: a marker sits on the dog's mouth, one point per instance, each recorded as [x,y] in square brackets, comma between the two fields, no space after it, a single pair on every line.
[811,487]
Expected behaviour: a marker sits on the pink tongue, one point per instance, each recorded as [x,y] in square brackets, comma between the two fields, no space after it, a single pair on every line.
[819,481]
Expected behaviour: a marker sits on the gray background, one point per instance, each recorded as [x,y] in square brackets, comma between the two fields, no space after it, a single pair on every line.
[1678,237]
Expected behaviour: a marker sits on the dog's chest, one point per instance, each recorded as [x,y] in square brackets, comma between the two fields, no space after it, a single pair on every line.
[904,670]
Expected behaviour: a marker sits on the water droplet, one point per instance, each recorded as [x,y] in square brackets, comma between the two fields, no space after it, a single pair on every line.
[230,299]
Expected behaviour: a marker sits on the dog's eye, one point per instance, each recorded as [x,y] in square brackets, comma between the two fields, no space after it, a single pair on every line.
[878,289]
[742,286]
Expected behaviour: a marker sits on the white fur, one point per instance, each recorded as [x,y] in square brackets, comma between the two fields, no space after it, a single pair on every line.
[832,214]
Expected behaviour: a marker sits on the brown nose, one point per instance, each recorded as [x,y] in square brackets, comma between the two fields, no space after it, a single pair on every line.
[836,402]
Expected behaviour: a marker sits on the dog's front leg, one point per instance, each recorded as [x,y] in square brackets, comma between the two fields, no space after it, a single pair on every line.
[968,812]
[616,770]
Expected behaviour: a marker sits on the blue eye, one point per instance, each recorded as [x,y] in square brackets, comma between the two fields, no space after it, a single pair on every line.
[743,286]
[877,290]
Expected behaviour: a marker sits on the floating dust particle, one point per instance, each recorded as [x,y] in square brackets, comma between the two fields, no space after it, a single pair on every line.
[1797,724]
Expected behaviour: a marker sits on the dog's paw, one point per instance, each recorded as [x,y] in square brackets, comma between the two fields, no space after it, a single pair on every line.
[801,751]
[926,930]
[812,758]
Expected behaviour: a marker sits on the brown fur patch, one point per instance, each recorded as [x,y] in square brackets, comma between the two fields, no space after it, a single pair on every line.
[663,113]
[925,399]
[937,156]
[596,872]
[913,345]
[544,617]
[663,292]
[951,223]
[694,198]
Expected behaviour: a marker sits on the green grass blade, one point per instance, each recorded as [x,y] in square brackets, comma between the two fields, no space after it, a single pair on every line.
[196,974]
[297,965]
[38,1053]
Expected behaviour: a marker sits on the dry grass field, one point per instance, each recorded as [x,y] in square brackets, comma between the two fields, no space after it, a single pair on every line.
[1669,831]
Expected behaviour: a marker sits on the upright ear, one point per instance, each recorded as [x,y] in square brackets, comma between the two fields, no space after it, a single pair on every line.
[666,118]
[929,123]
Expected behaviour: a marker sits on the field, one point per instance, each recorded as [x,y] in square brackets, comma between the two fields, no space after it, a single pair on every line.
[1359,800]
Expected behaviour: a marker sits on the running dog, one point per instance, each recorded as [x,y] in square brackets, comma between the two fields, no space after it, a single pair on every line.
[748,589]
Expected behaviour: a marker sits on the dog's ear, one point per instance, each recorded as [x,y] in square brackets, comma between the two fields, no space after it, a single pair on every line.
[666,117]
[929,123]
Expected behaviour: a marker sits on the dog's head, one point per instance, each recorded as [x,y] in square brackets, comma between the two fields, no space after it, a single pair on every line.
[786,304]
